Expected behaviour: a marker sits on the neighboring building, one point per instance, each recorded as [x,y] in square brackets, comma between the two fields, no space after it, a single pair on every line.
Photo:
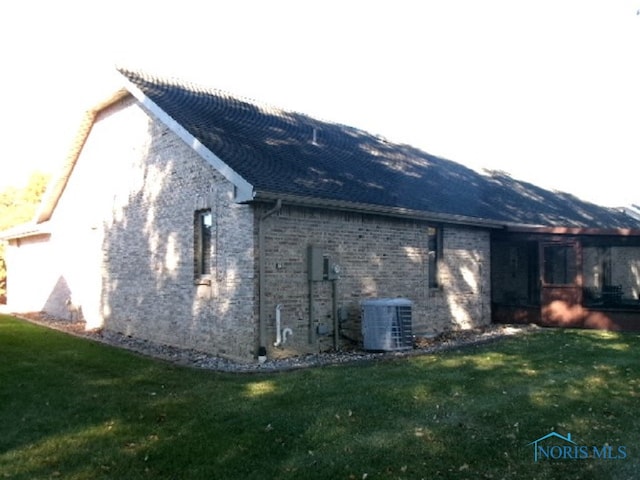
[186,216]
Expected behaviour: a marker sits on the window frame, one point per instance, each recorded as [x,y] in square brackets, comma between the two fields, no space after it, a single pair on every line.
[202,246]
[434,256]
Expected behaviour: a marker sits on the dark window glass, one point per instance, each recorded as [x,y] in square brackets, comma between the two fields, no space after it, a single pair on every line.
[434,255]
[202,242]
[559,264]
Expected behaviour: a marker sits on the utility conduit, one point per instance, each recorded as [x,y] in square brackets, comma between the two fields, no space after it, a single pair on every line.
[262,311]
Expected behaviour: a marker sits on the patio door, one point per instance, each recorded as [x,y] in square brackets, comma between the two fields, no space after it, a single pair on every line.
[560,279]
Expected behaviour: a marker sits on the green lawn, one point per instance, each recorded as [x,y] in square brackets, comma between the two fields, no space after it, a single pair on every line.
[74,409]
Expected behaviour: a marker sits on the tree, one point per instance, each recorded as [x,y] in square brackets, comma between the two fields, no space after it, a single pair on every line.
[18,205]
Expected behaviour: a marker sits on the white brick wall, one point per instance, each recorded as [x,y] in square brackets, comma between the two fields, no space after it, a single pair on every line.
[123,241]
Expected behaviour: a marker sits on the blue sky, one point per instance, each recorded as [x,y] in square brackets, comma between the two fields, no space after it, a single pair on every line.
[547,90]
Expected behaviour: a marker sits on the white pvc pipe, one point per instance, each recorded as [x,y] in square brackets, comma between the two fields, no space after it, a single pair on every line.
[286,333]
[278,341]
[281,334]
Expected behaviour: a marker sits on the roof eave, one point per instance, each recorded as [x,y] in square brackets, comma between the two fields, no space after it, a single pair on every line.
[25,230]
[395,212]
[624,232]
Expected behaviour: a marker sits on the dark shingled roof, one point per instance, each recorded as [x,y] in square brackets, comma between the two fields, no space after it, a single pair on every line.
[289,153]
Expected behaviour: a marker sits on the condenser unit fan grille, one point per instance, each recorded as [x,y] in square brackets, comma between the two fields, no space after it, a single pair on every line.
[386,324]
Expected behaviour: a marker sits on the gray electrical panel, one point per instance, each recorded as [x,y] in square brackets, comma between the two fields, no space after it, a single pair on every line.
[316,264]
[321,265]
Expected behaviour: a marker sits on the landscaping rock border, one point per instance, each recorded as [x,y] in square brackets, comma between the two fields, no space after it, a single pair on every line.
[192,358]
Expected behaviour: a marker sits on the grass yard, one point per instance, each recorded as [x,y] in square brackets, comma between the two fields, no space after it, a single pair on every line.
[74,409]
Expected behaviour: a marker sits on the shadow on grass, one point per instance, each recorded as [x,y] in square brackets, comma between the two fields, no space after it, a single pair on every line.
[74,409]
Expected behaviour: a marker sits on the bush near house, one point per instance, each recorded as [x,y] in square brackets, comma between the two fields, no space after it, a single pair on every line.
[18,205]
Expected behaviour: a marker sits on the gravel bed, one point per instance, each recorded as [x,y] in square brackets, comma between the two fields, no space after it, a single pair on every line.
[197,359]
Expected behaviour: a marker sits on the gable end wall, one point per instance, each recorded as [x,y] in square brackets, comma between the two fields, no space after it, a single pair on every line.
[124,237]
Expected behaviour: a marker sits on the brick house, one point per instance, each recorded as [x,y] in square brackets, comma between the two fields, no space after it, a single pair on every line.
[187,216]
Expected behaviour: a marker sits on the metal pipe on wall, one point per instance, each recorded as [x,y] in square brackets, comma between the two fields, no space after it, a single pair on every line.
[312,325]
[336,320]
[262,311]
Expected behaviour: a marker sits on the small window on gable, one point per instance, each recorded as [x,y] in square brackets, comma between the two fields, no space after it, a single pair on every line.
[202,243]
[434,247]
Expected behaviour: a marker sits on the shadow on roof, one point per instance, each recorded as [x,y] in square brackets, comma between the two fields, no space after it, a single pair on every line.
[290,153]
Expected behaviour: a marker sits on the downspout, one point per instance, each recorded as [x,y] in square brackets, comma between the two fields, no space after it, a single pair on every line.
[334,313]
[262,311]
[312,325]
